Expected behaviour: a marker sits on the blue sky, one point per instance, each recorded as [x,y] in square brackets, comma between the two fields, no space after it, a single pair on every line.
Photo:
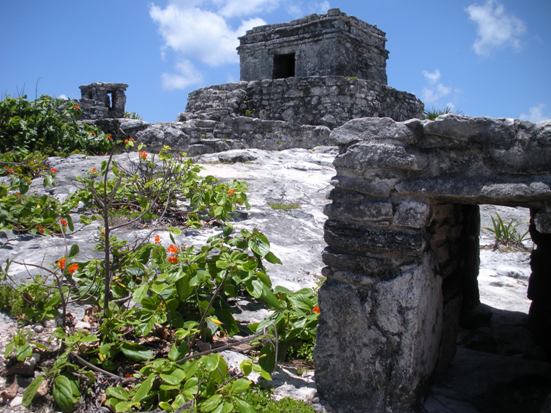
[484,57]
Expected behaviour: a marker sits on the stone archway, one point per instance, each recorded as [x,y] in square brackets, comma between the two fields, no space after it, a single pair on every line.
[402,255]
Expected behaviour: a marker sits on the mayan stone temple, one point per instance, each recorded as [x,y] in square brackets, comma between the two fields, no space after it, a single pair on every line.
[402,255]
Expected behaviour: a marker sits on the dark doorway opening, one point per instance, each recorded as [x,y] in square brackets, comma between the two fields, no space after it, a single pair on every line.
[284,66]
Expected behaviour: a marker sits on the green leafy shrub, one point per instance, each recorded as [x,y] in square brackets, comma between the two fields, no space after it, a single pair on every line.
[48,125]
[153,306]
[263,403]
[292,326]
[20,211]
[507,234]
[30,302]
[23,164]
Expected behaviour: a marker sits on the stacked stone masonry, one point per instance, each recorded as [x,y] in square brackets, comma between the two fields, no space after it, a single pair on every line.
[103,100]
[319,100]
[402,254]
[332,44]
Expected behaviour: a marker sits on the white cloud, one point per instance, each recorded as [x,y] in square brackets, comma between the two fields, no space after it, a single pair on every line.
[536,114]
[187,75]
[205,32]
[432,77]
[64,97]
[434,90]
[200,34]
[495,27]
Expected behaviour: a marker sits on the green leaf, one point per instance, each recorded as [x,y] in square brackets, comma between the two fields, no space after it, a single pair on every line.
[136,353]
[124,406]
[246,367]
[70,223]
[174,230]
[174,378]
[74,250]
[140,292]
[118,393]
[191,388]
[267,358]
[174,353]
[258,247]
[270,299]
[263,373]
[66,393]
[271,258]
[240,386]
[258,288]
[23,352]
[211,362]
[211,403]
[142,391]
[30,391]
[243,406]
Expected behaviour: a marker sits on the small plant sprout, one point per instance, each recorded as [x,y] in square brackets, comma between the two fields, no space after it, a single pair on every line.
[507,234]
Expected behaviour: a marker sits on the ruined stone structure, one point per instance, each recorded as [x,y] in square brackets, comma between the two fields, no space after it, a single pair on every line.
[333,44]
[300,80]
[402,255]
[103,100]
[318,100]
[318,70]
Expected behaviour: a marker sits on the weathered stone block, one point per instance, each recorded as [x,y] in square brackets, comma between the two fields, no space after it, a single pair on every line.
[379,343]
[344,237]
[412,214]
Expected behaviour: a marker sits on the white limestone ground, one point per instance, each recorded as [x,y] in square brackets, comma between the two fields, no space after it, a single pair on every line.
[297,177]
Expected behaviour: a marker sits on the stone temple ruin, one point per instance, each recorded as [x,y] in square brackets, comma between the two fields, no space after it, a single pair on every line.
[403,229]
[329,45]
[103,100]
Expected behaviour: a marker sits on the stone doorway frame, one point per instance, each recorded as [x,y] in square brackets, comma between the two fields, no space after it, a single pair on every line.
[398,222]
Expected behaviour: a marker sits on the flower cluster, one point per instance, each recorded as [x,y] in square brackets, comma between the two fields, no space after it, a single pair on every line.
[62,264]
[172,251]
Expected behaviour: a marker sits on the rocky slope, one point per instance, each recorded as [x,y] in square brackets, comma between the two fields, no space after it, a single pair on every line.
[287,193]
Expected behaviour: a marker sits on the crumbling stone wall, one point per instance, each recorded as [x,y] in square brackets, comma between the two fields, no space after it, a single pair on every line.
[198,136]
[103,100]
[402,255]
[319,45]
[320,100]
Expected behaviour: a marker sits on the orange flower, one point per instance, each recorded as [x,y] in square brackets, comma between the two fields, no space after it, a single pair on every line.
[128,140]
[231,192]
[142,155]
[173,259]
[53,170]
[9,170]
[316,309]
[172,249]
[40,229]
[63,222]
[72,268]
[76,106]
[157,239]
[61,263]
[93,170]
[109,137]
